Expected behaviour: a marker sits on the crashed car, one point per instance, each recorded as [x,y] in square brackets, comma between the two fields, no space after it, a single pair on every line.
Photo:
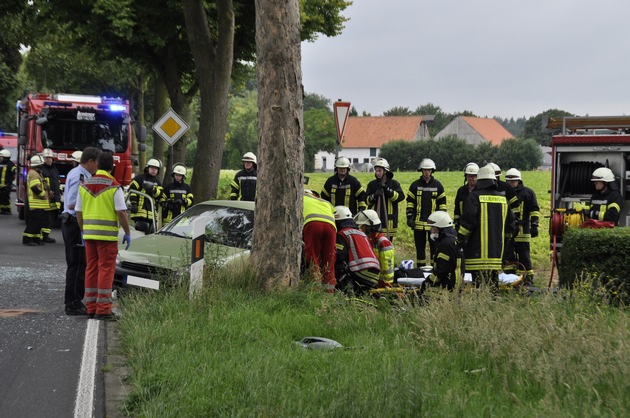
[154,260]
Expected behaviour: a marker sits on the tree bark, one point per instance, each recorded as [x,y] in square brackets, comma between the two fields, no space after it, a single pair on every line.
[213,62]
[277,243]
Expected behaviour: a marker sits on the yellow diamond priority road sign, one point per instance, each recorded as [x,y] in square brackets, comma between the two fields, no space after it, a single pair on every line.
[170,127]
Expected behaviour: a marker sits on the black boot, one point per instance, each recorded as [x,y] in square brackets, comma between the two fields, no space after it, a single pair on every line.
[48,240]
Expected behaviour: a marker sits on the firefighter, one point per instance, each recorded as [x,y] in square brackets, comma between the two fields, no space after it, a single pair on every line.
[141,209]
[51,177]
[38,202]
[319,235]
[447,262]
[606,203]
[383,195]
[527,219]
[356,268]
[7,175]
[425,196]
[513,203]
[76,158]
[369,222]
[485,224]
[244,183]
[178,194]
[343,189]
[470,180]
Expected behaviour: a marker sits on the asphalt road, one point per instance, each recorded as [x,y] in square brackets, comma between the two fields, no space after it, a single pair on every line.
[41,348]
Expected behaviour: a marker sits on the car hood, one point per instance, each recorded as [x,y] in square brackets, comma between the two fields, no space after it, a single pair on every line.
[171,252]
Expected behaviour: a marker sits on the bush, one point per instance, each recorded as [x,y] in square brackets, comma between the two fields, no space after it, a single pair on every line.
[599,254]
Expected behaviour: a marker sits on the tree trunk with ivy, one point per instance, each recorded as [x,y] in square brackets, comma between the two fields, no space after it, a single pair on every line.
[277,244]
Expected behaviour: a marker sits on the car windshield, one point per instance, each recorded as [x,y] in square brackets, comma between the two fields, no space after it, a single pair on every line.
[223,225]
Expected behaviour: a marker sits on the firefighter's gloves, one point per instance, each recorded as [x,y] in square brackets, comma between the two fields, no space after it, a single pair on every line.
[410,222]
[534,230]
[386,190]
[126,240]
[133,207]
[378,193]
[460,242]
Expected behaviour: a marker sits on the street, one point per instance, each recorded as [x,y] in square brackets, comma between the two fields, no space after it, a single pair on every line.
[44,353]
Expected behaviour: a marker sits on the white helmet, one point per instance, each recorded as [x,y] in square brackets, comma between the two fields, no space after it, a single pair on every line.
[367,217]
[439,219]
[179,169]
[496,168]
[381,162]
[486,173]
[154,162]
[512,174]
[603,174]
[426,164]
[249,157]
[342,212]
[5,153]
[342,162]
[36,161]
[76,156]
[471,169]
[47,153]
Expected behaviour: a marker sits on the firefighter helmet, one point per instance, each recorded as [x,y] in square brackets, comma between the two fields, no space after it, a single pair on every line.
[5,153]
[36,161]
[76,156]
[381,162]
[154,162]
[439,219]
[496,168]
[486,173]
[471,169]
[342,162]
[367,217]
[603,174]
[512,174]
[342,212]
[179,169]
[426,164]
[249,157]
[47,152]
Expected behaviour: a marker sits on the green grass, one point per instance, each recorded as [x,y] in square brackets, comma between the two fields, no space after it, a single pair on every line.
[232,352]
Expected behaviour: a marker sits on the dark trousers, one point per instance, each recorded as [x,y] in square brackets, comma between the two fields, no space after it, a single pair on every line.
[75,261]
[33,230]
[5,199]
[420,238]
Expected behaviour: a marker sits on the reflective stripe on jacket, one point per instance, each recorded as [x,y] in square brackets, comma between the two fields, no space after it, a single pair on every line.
[360,253]
[319,210]
[100,221]
[36,191]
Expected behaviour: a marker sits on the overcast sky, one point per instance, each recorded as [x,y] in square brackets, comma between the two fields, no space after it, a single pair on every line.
[502,58]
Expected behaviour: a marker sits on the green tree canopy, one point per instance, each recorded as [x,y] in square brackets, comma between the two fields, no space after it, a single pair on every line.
[534,129]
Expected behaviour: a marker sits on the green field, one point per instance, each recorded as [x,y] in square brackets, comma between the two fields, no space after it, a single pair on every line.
[539,181]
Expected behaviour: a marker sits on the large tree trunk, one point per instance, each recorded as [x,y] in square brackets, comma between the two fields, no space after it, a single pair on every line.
[160,106]
[277,244]
[213,62]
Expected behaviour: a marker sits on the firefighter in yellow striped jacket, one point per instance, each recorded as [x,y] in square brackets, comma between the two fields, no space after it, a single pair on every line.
[527,219]
[38,199]
[369,222]
[425,196]
[485,225]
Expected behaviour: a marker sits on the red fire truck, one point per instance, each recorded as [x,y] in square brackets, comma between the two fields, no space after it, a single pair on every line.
[69,122]
[9,142]
[582,145]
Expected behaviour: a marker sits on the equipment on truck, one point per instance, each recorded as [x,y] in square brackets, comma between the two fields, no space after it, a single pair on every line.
[66,123]
[580,146]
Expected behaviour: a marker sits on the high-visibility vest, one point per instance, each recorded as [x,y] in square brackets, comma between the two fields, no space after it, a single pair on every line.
[100,221]
[320,210]
[360,253]
[40,200]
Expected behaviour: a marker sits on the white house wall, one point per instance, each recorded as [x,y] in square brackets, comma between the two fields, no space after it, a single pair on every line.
[325,161]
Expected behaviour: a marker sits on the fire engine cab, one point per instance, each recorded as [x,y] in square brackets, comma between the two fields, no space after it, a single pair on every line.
[581,145]
[69,122]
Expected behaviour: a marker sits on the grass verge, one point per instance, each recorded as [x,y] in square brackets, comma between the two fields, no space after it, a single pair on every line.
[232,352]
